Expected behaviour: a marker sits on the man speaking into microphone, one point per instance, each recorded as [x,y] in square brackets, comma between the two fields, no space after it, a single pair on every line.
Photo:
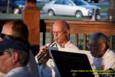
[61,40]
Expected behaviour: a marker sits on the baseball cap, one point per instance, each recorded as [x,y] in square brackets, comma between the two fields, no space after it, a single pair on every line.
[7,43]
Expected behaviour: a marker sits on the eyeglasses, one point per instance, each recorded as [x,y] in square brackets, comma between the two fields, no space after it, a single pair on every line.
[5,36]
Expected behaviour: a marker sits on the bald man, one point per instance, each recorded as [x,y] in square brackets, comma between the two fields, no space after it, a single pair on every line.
[61,36]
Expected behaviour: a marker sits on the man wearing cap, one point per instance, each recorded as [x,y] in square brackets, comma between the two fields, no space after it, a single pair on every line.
[14,58]
[18,29]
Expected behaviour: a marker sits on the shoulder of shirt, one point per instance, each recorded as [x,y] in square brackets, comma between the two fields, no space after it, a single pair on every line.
[71,45]
[110,52]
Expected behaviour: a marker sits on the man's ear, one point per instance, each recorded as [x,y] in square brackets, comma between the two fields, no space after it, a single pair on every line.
[15,57]
[103,46]
[67,32]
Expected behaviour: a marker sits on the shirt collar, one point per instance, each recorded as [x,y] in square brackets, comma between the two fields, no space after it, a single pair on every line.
[66,44]
[106,53]
[15,70]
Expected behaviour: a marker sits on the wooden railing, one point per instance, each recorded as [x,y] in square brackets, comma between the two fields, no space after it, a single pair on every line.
[79,27]
[85,28]
[31,17]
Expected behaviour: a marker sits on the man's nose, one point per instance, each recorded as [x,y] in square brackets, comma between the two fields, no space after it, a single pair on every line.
[56,33]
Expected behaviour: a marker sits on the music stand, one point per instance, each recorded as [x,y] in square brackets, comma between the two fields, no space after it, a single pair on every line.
[71,64]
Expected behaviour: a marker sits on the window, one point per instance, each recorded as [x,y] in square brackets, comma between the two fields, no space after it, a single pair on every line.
[59,2]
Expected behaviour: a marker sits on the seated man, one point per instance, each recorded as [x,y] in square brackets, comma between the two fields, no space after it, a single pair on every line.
[104,57]
[18,29]
[14,57]
[61,37]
